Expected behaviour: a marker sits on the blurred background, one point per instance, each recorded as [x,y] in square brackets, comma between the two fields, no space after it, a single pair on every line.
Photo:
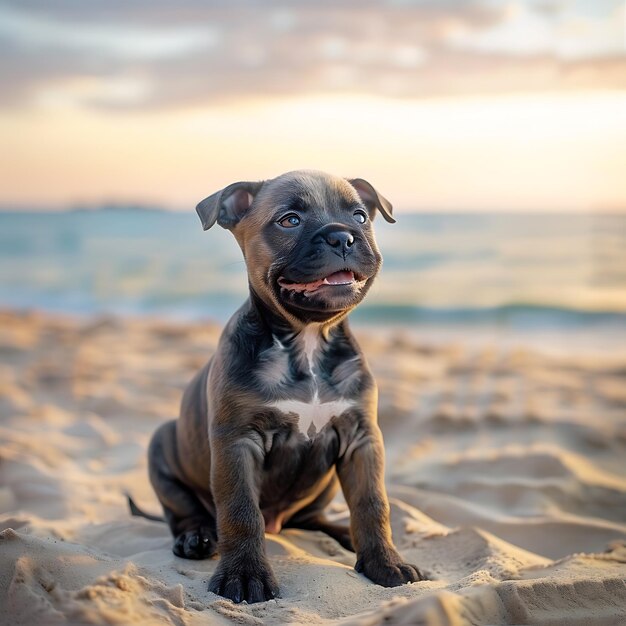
[496,331]
[496,128]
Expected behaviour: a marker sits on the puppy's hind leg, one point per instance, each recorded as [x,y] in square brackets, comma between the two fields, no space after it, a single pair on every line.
[192,525]
[312,517]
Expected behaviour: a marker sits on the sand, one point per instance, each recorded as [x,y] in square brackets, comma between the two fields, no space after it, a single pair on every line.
[505,470]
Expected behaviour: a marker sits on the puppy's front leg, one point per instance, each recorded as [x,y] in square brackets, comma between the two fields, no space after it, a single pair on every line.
[361,473]
[243,572]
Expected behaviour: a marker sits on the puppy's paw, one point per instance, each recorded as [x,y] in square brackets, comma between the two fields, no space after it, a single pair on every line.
[388,570]
[244,581]
[198,543]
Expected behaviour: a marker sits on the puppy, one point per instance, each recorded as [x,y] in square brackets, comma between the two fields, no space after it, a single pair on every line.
[285,411]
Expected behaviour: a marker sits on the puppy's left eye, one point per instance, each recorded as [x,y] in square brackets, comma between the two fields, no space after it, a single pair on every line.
[290,221]
[360,216]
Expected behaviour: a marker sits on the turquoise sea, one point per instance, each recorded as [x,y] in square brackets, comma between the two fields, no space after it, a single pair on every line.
[508,270]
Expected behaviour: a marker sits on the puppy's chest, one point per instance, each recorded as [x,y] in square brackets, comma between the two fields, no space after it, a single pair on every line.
[307,384]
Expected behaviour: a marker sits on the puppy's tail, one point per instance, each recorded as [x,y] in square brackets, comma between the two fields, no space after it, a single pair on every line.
[135,511]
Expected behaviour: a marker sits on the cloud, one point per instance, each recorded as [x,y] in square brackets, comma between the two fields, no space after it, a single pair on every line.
[120,41]
[127,55]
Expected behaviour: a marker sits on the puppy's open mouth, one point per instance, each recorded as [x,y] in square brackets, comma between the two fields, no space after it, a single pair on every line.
[343,277]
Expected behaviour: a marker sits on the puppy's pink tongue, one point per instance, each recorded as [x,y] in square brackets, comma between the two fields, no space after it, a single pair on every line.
[340,278]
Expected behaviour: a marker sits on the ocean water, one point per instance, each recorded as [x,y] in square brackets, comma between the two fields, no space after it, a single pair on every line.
[506,270]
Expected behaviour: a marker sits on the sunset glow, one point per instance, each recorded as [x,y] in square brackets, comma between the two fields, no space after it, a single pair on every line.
[471,106]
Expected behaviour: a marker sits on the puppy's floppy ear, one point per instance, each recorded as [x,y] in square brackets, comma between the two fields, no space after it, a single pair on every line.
[228,206]
[372,199]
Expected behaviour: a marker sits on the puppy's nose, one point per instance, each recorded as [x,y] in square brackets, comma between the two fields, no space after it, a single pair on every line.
[339,239]
[337,236]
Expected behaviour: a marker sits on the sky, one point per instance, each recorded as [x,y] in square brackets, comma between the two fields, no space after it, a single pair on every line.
[440,104]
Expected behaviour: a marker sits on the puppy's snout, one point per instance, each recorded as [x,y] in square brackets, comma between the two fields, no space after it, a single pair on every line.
[337,237]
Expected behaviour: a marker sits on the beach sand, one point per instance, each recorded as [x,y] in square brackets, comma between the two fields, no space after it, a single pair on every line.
[505,472]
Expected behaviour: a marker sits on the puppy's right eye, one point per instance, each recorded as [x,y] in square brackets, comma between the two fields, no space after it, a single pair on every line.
[290,221]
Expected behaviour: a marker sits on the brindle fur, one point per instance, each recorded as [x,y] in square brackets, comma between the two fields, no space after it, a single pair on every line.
[237,462]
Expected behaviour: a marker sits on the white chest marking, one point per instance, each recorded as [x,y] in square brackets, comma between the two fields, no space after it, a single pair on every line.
[314,413]
[310,343]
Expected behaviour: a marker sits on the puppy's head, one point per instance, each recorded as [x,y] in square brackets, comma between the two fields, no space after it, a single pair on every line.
[307,238]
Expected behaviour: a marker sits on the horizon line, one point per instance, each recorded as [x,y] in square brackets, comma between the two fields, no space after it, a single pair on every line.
[148,207]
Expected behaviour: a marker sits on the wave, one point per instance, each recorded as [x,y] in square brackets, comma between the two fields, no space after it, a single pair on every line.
[513,314]
[526,316]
